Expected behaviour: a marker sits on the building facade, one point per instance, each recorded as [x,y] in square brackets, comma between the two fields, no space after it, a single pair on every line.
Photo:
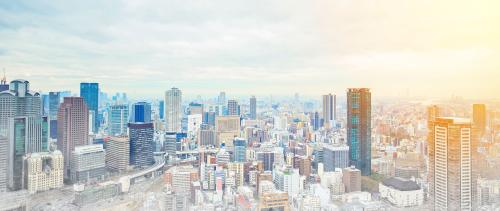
[141,144]
[173,110]
[359,128]
[118,119]
[88,163]
[90,94]
[44,171]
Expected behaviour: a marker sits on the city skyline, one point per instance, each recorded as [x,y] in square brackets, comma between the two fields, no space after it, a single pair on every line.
[309,48]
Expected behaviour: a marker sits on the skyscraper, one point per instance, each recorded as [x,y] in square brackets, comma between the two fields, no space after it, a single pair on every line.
[118,119]
[359,128]
[90,93]
[173,109]
[329,109]
[450,169]
[195,108]
[240,149]
[54,101]
[141,137]
[233,109]
[72,128]
[479,117]
[27,135]
[19,100]
[253,108]
[222,98]
[335,157]
[141,112]
[161,109]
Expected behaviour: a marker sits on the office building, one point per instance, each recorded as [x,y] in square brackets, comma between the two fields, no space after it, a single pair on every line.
[170,143]
[253,108]
[287,179]
[43,171]
[140,112]
[72,128]
[179,178]
[233,108]
[4,160]
[207,136]
[195,108]
[118,119]
[117,153]
[227,128]
[19,100]
[479,117]
[239,172]
[401,192]
[209,118]
[54,101]
[88,163]
[222,98]
[240,149]
[335,156]
[359,128]
[450,169]
[268,156]
[351,177]
[90,94]
[141,144]
[27,135]
[329,109]
[173,109]
[162,109]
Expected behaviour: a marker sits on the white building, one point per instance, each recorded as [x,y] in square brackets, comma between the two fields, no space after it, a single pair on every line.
[401,192]
[173,109]
[333,181]
[44,171]
[194,123]
[287,180]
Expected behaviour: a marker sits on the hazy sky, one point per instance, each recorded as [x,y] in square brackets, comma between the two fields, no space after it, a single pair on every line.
[431,48]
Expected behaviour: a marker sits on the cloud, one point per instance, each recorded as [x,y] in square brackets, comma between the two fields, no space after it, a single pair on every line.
[257,47]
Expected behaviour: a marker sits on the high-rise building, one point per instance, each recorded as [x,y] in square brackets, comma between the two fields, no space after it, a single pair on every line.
[141,143]
[240,149]
[222,98]
[43,171]
[351,177]
[161,109]
[209,118]
[19,100]
[335,157]
[27,135]
[207,136]
[287,179]
[4,160]
[359,128]
[233,109]
[173,109]
[170,143]
[195,108]
[479,117]
[450,169]
[90,93]
[253,108]
[72,128]
[268,156]
[117,153]
[227,128]
[118,119]
[329,109]
[54,101]
[88,163]
[141,112]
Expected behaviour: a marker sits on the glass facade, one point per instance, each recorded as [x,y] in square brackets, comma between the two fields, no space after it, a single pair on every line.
[359,129]
[90,94]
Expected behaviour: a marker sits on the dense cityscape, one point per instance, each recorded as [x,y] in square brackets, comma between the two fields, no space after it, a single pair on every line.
[346,151]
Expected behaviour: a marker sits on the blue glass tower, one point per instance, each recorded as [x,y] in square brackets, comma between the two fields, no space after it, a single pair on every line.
[90,94]
[141,112]
[162,109]
[359,129]
[240,148]
[141,144]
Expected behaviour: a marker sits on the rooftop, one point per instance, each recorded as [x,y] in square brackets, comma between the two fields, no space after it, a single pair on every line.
[401,184]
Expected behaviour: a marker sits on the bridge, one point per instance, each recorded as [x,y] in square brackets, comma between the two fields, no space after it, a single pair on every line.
[126,180]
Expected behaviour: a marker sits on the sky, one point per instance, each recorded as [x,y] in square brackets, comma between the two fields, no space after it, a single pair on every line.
[397,48]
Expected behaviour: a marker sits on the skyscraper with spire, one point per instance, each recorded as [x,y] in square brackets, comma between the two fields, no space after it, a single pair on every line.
[3,83]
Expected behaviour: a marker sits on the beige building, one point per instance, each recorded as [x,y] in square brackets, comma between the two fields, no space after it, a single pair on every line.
[238,169]
[44,171]
[117,153]
[226,129]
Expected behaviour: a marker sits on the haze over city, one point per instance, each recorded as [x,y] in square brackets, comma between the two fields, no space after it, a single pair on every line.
[432,49]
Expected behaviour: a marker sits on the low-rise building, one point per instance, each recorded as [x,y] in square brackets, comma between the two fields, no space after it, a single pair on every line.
[401,192]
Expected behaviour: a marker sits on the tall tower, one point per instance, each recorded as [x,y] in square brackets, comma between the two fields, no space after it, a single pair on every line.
[173,109]
[72,128]
[118,119]
[450,169]
[329,109]
[233,109]
[479,117]
[253,108]
[90,93]
[359,128]
[141,112]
